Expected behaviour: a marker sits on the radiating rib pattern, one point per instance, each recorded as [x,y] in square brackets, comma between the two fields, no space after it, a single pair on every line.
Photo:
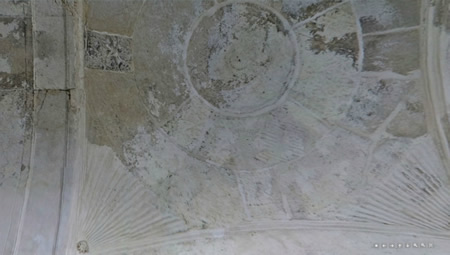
[415,194]
[115,208]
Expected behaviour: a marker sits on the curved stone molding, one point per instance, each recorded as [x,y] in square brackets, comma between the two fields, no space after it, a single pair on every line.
[252,60]
[433,48]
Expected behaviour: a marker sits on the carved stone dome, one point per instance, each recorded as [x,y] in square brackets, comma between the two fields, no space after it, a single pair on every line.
[224,127]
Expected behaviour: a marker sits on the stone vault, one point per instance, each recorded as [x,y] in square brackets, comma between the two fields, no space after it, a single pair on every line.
[224,127]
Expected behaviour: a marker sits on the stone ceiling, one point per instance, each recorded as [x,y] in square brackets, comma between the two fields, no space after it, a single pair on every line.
[224,127]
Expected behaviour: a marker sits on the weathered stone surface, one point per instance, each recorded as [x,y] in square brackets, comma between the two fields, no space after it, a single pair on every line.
[384,157]
[329,53]
[380,15]
[285,163]
[223,127]
[15,53]
[397,52]
[126,204]
[158,62]
[416,175]
[48,168]
[262,193]
[206,197]
[49,52]
[237,68]
[108,52]
[111,119]
[49,8]
[15,117]
[171,173]
[410,121]
[319,184]
[281,135]
[298,10]
[375,100]
[15,8]
[14,133]
[113,16]
[53,41]
[301,10]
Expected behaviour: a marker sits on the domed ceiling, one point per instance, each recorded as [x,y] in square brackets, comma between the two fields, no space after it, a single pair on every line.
[257,127]
[253,116]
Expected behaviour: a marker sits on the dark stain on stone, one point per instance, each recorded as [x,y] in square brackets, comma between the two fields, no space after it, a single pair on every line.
[21,27]
[441,14]
[414,106]
[318,44]
[346,45]
[315,27]
[15,47]
[12,81]
[373,103]
[369,24]
[381,88]
[82,247]
[271,18]
[311,10]
[262,18]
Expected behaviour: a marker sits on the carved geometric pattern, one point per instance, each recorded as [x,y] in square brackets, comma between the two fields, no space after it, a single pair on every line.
[261,194]
[115,208]
[415,193]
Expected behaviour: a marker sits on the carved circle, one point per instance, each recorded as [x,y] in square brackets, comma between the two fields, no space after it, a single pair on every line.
[241,58]
[82,247]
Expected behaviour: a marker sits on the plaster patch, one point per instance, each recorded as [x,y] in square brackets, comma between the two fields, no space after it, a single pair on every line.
[4,66]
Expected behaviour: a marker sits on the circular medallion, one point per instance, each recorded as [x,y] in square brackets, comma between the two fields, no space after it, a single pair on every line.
[241,58]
